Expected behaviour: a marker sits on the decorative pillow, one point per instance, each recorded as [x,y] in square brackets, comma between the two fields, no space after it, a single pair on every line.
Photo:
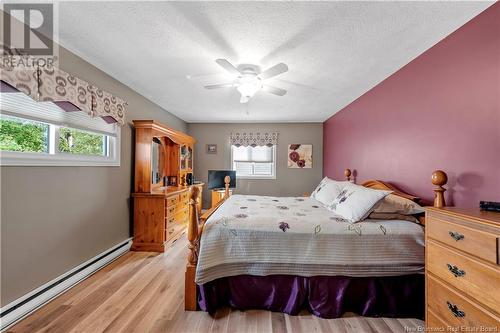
[318,188]
[399,205]
[355,202]
[328,190]
[392,216]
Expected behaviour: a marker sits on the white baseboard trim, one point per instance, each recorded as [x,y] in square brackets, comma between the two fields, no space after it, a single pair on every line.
[23,306]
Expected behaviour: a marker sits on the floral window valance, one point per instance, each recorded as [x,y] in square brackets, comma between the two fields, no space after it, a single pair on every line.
[65,90]
[254,139]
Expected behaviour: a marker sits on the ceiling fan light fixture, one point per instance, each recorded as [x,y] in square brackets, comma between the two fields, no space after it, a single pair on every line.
[250,79]
[244,99]
[248,86]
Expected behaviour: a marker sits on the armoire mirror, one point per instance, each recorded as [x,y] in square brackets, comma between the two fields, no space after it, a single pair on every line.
[156,157]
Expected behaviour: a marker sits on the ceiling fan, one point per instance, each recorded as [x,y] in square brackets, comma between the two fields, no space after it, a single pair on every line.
[248,79]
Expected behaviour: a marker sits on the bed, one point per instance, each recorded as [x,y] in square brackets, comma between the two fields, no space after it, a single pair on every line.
[287,254]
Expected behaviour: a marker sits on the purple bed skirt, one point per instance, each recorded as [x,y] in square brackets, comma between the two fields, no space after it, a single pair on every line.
[323,296]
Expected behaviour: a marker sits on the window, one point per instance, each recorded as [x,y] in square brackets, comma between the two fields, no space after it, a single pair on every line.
[74,141]
[254,162]
[41,133]
[17,134]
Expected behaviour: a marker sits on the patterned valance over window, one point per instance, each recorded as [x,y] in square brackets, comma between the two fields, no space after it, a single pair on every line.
[65,90]
[254,139]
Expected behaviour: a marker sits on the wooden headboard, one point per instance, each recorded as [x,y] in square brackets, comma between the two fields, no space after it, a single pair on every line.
[439,178]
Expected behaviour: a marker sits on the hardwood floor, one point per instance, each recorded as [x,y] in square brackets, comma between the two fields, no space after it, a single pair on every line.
[143,292]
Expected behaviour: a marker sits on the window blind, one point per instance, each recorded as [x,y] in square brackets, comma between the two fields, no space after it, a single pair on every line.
[259,154]
[19,104]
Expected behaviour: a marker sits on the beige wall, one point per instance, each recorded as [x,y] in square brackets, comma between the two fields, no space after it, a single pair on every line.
[55,218]
[289,182]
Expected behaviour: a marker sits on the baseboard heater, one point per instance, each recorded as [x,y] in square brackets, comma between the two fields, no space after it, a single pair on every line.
[23,306]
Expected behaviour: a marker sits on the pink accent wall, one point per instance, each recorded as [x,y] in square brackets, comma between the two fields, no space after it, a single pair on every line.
[441,111]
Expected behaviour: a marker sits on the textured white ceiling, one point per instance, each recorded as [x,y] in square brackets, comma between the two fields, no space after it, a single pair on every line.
[336,51]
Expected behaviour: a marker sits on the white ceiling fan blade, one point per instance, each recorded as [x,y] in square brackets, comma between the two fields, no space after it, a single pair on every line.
[217,86]
[273,71]
[228,66]
[274,90]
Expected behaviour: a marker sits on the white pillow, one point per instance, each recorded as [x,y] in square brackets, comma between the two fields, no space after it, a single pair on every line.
[355,202]
[319,187]
[327,190]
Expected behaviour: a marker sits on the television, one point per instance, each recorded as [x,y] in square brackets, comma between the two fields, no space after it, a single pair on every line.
[216,178]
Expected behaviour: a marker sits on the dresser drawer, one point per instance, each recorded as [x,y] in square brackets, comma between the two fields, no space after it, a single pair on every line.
[170,219]
[173,229]
[172,200]
[180,207]
[456,309]
[183,215]
[464,273]
[171,210]
[433,323]
[184,197]
[476,242]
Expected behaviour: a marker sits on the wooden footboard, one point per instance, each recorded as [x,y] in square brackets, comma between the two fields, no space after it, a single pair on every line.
[196,224]
[195,229]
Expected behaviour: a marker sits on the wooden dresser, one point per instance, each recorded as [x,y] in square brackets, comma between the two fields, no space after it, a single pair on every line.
[163,156]
[462,270]
[160,217]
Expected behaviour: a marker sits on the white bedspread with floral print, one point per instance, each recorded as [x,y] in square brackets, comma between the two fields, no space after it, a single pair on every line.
[261,235]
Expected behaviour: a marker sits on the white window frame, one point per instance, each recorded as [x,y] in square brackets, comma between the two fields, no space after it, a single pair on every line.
[55,158]
[273,176]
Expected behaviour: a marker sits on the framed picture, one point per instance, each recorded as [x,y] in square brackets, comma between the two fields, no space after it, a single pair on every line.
[300,156]
[172,181]
[211,148]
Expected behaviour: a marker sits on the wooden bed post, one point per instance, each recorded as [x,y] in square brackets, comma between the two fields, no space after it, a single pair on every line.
[227,180]
[195,229]
[439,178]
[190,303]
[347,174]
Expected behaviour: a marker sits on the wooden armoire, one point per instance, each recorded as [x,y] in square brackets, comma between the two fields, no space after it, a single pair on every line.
[163,177]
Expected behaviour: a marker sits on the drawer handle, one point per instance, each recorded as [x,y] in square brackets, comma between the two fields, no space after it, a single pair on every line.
[456,236]
[454,309]
[455,270]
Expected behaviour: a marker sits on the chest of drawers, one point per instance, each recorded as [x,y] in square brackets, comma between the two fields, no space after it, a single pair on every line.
[160,218]
[462,270]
